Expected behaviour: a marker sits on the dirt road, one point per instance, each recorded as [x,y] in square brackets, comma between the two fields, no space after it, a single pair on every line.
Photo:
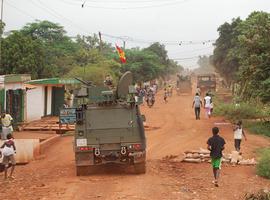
[173,130]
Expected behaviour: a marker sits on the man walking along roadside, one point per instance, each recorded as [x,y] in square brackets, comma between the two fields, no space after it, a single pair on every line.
[216,146]
[6,121]
[207,105]
[238,135]
[197,103]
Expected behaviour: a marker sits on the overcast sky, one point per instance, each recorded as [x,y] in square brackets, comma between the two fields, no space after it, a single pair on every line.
[192,22]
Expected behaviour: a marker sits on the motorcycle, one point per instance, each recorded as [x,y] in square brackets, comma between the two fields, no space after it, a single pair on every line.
[150,100]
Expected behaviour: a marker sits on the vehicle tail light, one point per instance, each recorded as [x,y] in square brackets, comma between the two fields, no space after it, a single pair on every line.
[135,146]
[85,148]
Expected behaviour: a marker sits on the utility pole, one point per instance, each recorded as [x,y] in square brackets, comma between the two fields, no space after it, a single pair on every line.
[2,27]
[100,42]
[124,44]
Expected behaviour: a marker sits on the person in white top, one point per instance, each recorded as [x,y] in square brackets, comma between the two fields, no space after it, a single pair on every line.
[207,105]
[238,135]
[6,121]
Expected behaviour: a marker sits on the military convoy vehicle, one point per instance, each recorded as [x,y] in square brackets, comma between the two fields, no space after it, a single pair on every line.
[109,128]
[206,82]
[183,84]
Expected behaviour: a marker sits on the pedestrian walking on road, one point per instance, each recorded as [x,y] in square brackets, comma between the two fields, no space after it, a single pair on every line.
[6,121]
[166,94]
[207,105]
[216,146]
[8,152]
[197,103]
[198,90]
[238,135]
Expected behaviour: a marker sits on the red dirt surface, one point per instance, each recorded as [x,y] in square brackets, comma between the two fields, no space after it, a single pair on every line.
[174,131]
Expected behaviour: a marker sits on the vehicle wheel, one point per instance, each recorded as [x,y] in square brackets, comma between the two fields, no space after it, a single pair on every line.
[85,170]
[82,170]
[140,168]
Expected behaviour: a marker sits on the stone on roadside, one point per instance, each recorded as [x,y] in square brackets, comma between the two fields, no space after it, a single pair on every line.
[192,160]
[235,156]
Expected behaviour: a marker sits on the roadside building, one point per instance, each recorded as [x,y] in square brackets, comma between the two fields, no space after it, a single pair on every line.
[46,96]
[12,95]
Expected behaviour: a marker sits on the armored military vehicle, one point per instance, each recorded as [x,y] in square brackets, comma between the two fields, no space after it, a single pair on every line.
[183,84]
[206,82]
[109,128]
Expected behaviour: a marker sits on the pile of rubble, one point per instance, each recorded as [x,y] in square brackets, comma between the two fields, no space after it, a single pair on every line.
[203,155]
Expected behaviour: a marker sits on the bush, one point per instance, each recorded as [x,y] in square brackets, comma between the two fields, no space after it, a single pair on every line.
[262,167]
[258,127]
[237,111]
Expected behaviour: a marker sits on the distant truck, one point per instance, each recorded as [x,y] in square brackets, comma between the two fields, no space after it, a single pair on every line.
[206,82]
[109,129]
[183,84]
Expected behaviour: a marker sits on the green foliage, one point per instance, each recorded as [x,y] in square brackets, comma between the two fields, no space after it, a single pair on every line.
[43,50]
[237,111]
[22,54]
[262,167]
[242,55]
[224,58]
[40,49]
[150,63]
[96,72]
[2,27]
[258,127]
[143,64]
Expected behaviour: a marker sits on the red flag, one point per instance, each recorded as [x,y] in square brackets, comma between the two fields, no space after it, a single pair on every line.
[121,54]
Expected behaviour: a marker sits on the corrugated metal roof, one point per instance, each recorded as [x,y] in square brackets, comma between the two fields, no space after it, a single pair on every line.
[53,81]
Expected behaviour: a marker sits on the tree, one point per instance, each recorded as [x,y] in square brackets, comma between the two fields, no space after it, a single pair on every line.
[143,64]
[242,54]
[224,58]
[254,54]
[205,65]
[21,54]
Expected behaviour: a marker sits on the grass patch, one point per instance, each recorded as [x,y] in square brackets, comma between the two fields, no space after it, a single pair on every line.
[262,168]
[250,113]
[258,127]
[235,112]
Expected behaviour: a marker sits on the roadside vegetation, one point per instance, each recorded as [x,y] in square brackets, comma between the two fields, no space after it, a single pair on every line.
[262,167]
[43,49]
[242,56]
[255,116]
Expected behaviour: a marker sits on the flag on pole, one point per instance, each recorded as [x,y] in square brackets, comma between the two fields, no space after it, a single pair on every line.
[121,54]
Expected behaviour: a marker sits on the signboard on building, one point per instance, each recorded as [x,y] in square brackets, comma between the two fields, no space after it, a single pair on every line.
[67,116]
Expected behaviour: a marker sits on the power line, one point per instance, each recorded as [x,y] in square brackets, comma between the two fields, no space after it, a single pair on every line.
[190,58]
[174,2]
[52,12]
[63,17]
[20,10]
[130,39]
[123,38]
[124,1]
[193,50]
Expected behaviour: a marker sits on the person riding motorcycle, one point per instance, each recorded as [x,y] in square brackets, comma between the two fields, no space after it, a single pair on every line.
[150,97]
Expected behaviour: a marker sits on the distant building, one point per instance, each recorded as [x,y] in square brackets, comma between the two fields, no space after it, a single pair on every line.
[46,96]
[27,100]
[12,95]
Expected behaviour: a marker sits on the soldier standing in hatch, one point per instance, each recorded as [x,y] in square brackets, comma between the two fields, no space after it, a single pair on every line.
[108,81]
